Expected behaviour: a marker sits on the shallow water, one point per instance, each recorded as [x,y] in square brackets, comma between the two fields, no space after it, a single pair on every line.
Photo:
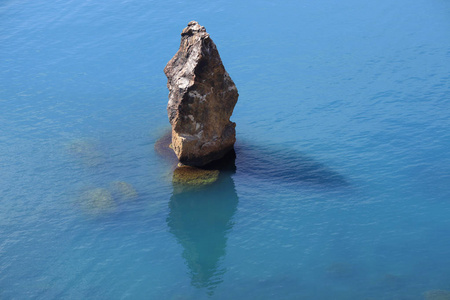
[341,186]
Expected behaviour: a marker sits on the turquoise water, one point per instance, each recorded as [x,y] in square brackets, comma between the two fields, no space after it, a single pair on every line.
[341,187]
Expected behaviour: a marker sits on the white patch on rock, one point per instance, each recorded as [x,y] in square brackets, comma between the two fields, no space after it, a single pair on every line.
[183,82]
[197,95]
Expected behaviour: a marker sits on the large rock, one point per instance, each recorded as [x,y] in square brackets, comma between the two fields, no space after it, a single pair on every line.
[202,97]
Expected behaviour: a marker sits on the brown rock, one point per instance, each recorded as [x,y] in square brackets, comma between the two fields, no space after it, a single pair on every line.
[187,175]
[202,97]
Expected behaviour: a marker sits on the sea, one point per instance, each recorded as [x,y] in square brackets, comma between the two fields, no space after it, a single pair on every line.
[340,188]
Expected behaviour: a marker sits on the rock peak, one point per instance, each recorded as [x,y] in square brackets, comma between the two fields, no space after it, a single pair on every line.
[202,97]
[193,28]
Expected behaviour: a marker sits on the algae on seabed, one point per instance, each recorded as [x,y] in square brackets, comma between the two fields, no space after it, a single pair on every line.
[187,175]
[97,201]
[87,151]
[437,295]
[123,190]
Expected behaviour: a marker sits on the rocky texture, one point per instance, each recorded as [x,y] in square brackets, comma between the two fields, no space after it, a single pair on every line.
[97,201]
[123,190]
[87,151]
[202,97]
[187,175]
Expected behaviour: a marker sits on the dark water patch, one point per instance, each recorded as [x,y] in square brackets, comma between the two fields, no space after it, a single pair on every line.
[284,165]
[162,147]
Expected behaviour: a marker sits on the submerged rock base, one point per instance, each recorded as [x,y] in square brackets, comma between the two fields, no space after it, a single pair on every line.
[189,176]
[194,176]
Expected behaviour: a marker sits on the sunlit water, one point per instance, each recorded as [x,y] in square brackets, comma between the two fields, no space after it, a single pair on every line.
[342,182]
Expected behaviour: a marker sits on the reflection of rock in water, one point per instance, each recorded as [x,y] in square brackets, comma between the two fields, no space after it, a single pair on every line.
[437,295]
[87,151]
[200,219]
[284,165]
[97,201]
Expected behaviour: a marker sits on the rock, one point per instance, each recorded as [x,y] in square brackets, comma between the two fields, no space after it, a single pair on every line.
[437,295]
[202,97]
[192,176]
[97,201]
[340,270]
[87,151]
[123,190]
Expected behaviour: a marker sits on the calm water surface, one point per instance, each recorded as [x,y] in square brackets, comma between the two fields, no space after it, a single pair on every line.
[341,185]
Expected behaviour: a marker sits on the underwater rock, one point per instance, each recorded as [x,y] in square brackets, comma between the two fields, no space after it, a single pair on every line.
[97,201]
[340,270]
[187,175]
[392,281]
[202,97]
[123,190]
[437,295]
[87,151]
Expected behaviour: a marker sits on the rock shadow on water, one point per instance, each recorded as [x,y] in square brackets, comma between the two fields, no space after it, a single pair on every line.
[200,218]
[284,165]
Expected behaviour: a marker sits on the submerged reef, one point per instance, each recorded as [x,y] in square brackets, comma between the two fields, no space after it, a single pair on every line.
[97,201]
[340,270]
[437,295]
[194,176]
[100,201]
[202,97]
[123,190]
[87,151]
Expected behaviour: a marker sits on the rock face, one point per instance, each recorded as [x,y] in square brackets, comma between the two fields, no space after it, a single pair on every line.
[202,97]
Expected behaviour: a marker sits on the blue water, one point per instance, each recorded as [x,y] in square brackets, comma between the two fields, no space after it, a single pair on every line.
[342,182]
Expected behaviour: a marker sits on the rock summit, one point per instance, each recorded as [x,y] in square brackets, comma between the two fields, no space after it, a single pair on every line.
[202,97]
